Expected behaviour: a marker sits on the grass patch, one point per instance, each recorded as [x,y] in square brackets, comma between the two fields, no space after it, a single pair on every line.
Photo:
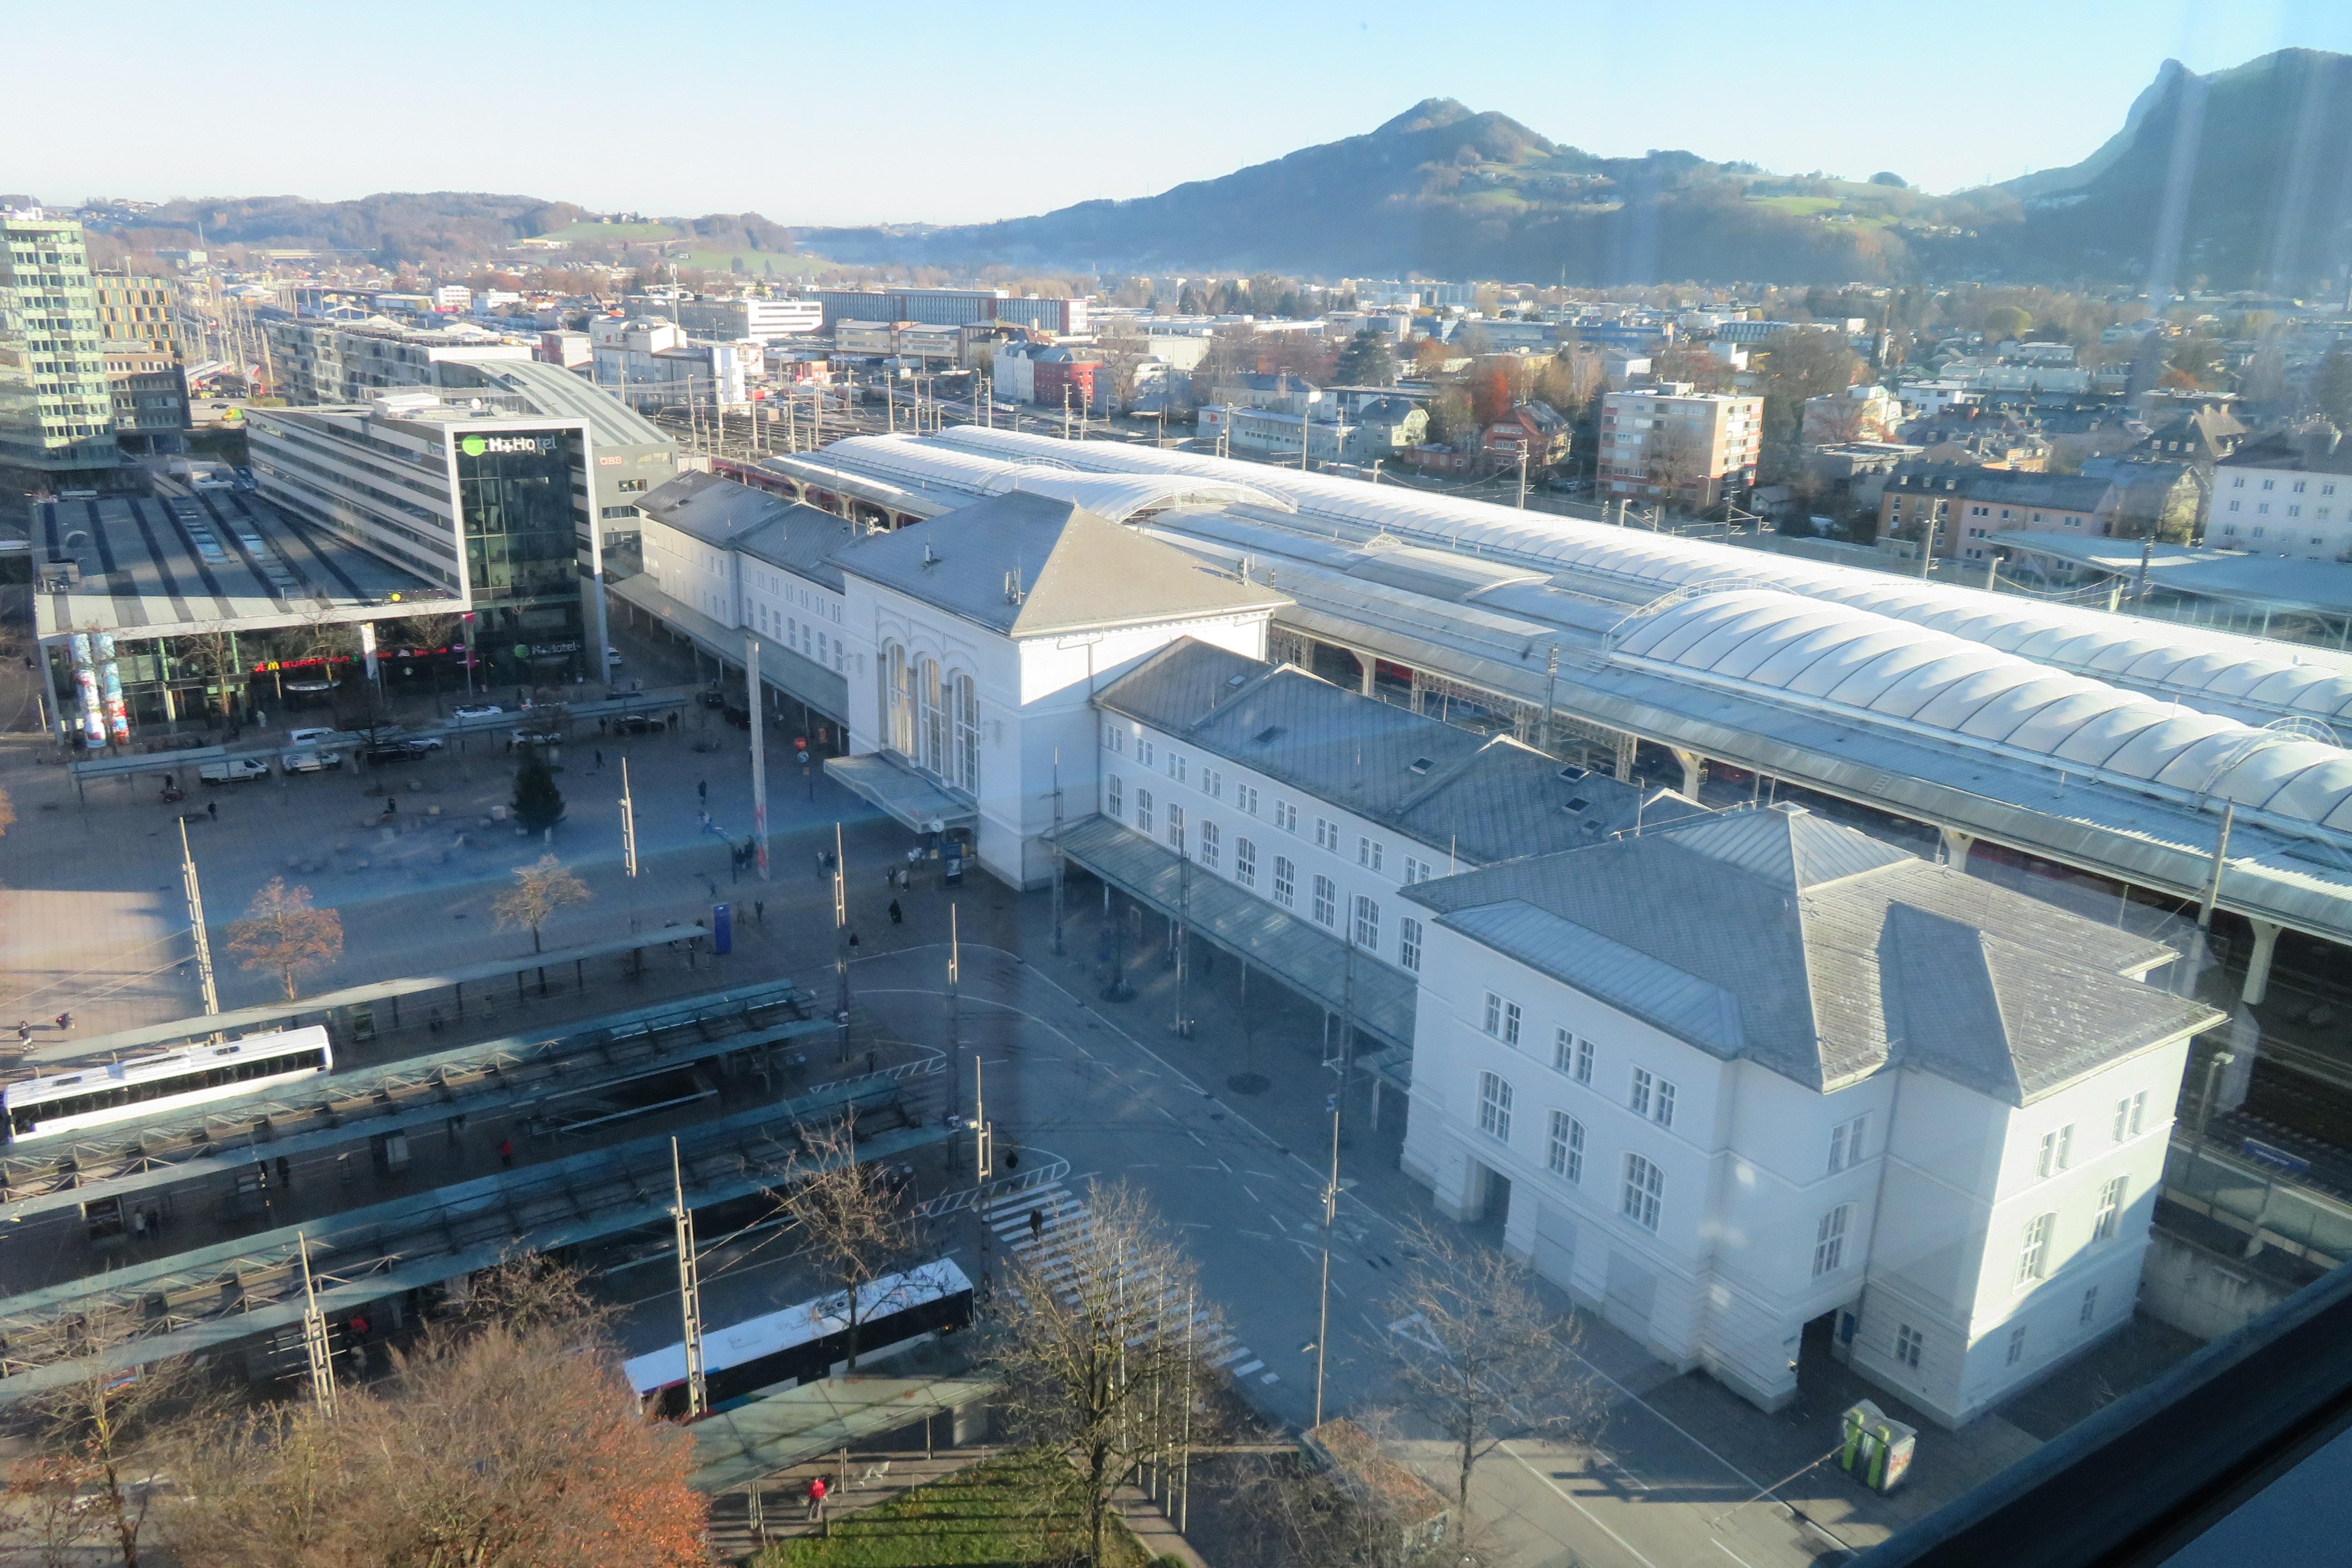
[615,231]
[1797,206]
[1006,1511]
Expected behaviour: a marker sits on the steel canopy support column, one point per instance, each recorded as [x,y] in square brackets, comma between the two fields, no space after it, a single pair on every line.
[1694,771]
[2258,962]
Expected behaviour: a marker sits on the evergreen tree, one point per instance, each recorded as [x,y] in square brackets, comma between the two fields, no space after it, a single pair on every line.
[1366,360]
[538,804]
[2331,387]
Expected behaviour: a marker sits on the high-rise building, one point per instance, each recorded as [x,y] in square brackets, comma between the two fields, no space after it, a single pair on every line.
[145,365]
[57,411]
[1669,443]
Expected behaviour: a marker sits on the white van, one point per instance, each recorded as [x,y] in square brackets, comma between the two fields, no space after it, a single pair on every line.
[299,738]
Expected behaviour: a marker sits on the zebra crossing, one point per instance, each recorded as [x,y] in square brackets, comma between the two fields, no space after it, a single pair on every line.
[1061,1216]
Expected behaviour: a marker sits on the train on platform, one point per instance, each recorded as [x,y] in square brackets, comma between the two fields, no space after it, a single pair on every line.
[147,1087]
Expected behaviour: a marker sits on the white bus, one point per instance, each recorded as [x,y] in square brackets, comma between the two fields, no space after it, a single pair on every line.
[148,1086]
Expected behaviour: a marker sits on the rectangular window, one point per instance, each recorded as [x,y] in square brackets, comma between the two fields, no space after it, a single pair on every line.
[1369,852]
[1176,766]
[1663,1111]
[2131,1112]
[2057,1150]
[1846,1143]
[1645,1186]
[1285,816]
[1415,870]
[1909,1342]
[1640,1099]
[1564,1154]
[1143,810]
[1285,883]
[2034,1256]
[2017,1344]
[1327,833]
[1583,1073]
[1564,1051]
[1246,796]
[1144,751]
[1112,795]
[1209,847]
[1829,1240]
[2139,1111]
[1409,943]
[2105,1224]
[1327,901]
[1367,924]
[1213,784]
[1175,827]
[1494,1108]
[1246,862]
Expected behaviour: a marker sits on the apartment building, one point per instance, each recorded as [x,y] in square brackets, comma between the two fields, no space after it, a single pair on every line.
[2285,495]
[1922,1115]
[145,365]
[1674,447]
[57,408]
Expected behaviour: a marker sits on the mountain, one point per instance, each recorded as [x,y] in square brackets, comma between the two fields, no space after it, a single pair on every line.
[2237,178]
[1451,193]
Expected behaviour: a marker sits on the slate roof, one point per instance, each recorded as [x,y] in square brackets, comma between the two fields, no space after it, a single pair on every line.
[1075,571]
[1825,954]
[1484,798]
[727,515]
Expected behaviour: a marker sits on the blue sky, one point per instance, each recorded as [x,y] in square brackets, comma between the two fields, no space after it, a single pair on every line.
[918,112]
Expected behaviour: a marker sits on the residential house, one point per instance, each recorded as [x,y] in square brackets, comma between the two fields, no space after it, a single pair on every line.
[1532,430]
[2288,494]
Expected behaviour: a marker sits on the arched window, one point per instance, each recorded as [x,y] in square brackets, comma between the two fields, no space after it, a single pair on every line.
[966,735]
[931,720]
[900,696]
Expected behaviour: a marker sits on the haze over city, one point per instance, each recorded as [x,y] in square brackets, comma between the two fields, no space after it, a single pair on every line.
[1370,789]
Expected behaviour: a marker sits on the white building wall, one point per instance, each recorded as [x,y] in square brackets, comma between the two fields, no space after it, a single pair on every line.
[2279,512]
[1936,1207]
[694,575]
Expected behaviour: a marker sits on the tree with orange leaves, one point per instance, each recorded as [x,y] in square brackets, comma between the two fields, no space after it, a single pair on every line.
[281,931]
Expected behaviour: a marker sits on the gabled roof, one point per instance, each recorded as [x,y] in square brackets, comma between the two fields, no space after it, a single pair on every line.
[1030,565]
[1480,798]
[1839,953]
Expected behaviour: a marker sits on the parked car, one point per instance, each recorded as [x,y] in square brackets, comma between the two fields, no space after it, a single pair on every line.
[612,656]
[424,743]
[391,751]
[476,711]
[309,762]
[632,724]
[302,740]
[538,737]
[234,769]
[714,699]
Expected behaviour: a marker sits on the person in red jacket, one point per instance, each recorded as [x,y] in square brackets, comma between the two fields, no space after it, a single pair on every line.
[816,1498]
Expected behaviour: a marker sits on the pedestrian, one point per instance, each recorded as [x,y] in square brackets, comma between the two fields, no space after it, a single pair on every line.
[600,726]
[821,866]
[759,911]
[1013,1158]
[897,916]
[285,1175]
[212,809]
[853,944]
[64,1020]
[24,1033]
[702,790]
[170,782]
[816,1490]
[600,759]
[1036,1223]
[505,1153]
[391,804]
[433,1024]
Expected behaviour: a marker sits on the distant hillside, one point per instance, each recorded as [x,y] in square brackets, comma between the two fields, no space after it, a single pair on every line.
[2268,198]
[1451,193]
[440,228]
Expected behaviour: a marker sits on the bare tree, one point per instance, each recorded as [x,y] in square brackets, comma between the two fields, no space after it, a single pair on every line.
[541,890]
[94,1466]
[1096,1347]
[1478,1356]
[1361,1510]
[852,1217]
[212,651]
[281,931]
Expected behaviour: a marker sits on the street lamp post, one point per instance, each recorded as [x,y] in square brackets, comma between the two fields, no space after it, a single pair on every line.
[1330,1216]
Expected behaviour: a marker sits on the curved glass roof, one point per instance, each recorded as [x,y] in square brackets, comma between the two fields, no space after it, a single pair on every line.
[2246,673]
[935,469]
[1844,657]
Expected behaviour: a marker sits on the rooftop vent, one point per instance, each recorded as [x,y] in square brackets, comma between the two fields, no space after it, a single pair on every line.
[1422,765]
[1236,679]
[1266,734]
[1573,773]
[1575,804]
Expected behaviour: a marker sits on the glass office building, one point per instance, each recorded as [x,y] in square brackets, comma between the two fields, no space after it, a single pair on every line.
[56,409]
